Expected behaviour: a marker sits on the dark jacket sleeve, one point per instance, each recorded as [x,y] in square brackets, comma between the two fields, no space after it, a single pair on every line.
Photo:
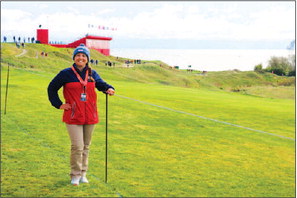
[53,89]
[101,85]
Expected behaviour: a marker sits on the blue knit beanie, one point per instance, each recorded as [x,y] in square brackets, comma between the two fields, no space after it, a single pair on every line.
[82,49]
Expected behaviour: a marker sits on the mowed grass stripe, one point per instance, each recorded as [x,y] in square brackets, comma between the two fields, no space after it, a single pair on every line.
[265,114]
[222,122]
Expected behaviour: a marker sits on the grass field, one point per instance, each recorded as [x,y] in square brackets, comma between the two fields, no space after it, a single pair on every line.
[158,147]
[153,152]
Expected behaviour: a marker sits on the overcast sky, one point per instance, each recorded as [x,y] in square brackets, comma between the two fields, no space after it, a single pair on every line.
[160,24]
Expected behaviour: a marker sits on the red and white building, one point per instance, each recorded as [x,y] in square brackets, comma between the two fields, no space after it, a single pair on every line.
[99,43]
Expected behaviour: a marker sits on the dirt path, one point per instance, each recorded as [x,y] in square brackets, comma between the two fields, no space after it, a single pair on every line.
[21,54]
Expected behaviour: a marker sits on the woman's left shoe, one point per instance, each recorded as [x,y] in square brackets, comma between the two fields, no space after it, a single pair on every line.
[84,180]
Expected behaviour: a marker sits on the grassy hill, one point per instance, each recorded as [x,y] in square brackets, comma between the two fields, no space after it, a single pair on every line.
[151,72]
[171,133]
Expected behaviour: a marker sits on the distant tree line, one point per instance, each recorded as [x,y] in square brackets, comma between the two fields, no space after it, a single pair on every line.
[281,66]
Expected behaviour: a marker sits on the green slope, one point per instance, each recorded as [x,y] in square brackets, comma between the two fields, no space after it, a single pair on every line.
[150,72]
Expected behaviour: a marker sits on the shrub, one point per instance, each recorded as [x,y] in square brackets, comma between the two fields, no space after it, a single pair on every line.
[279,65]
[279,71]
[259,68]
[292,73]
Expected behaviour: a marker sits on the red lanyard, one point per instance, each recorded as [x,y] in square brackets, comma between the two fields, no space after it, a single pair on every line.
[83,82]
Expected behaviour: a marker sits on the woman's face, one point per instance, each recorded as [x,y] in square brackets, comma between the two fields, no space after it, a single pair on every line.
[80,59]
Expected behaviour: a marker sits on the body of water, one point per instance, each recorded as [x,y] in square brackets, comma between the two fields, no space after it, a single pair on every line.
[206,59]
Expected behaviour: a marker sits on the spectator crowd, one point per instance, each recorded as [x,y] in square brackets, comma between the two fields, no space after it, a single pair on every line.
[19,41]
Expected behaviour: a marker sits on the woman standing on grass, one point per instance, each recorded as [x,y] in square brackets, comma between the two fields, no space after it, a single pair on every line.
[80,108]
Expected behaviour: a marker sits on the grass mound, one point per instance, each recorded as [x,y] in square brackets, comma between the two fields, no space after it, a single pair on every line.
[155,72]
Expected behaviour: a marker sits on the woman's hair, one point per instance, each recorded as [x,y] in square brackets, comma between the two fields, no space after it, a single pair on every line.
[90,78]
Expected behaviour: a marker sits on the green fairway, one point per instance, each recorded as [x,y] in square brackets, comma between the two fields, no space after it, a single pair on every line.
[153,151]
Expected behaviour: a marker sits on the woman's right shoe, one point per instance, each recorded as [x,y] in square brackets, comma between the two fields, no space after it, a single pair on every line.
[75,180]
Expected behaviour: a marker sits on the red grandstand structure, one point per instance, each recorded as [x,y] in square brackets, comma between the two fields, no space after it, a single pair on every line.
[42,36]
[99,43]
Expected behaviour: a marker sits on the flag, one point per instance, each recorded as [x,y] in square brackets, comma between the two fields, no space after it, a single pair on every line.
[101,27]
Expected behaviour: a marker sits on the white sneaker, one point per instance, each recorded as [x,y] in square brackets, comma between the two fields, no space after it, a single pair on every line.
[75,180]
[84,180]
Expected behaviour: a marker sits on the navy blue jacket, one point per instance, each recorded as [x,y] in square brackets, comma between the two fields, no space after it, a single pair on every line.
[67,76]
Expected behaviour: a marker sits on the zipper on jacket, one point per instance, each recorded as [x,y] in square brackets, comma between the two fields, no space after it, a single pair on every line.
[85,112]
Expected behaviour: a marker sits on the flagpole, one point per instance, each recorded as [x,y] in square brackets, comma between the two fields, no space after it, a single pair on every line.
[106,137]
